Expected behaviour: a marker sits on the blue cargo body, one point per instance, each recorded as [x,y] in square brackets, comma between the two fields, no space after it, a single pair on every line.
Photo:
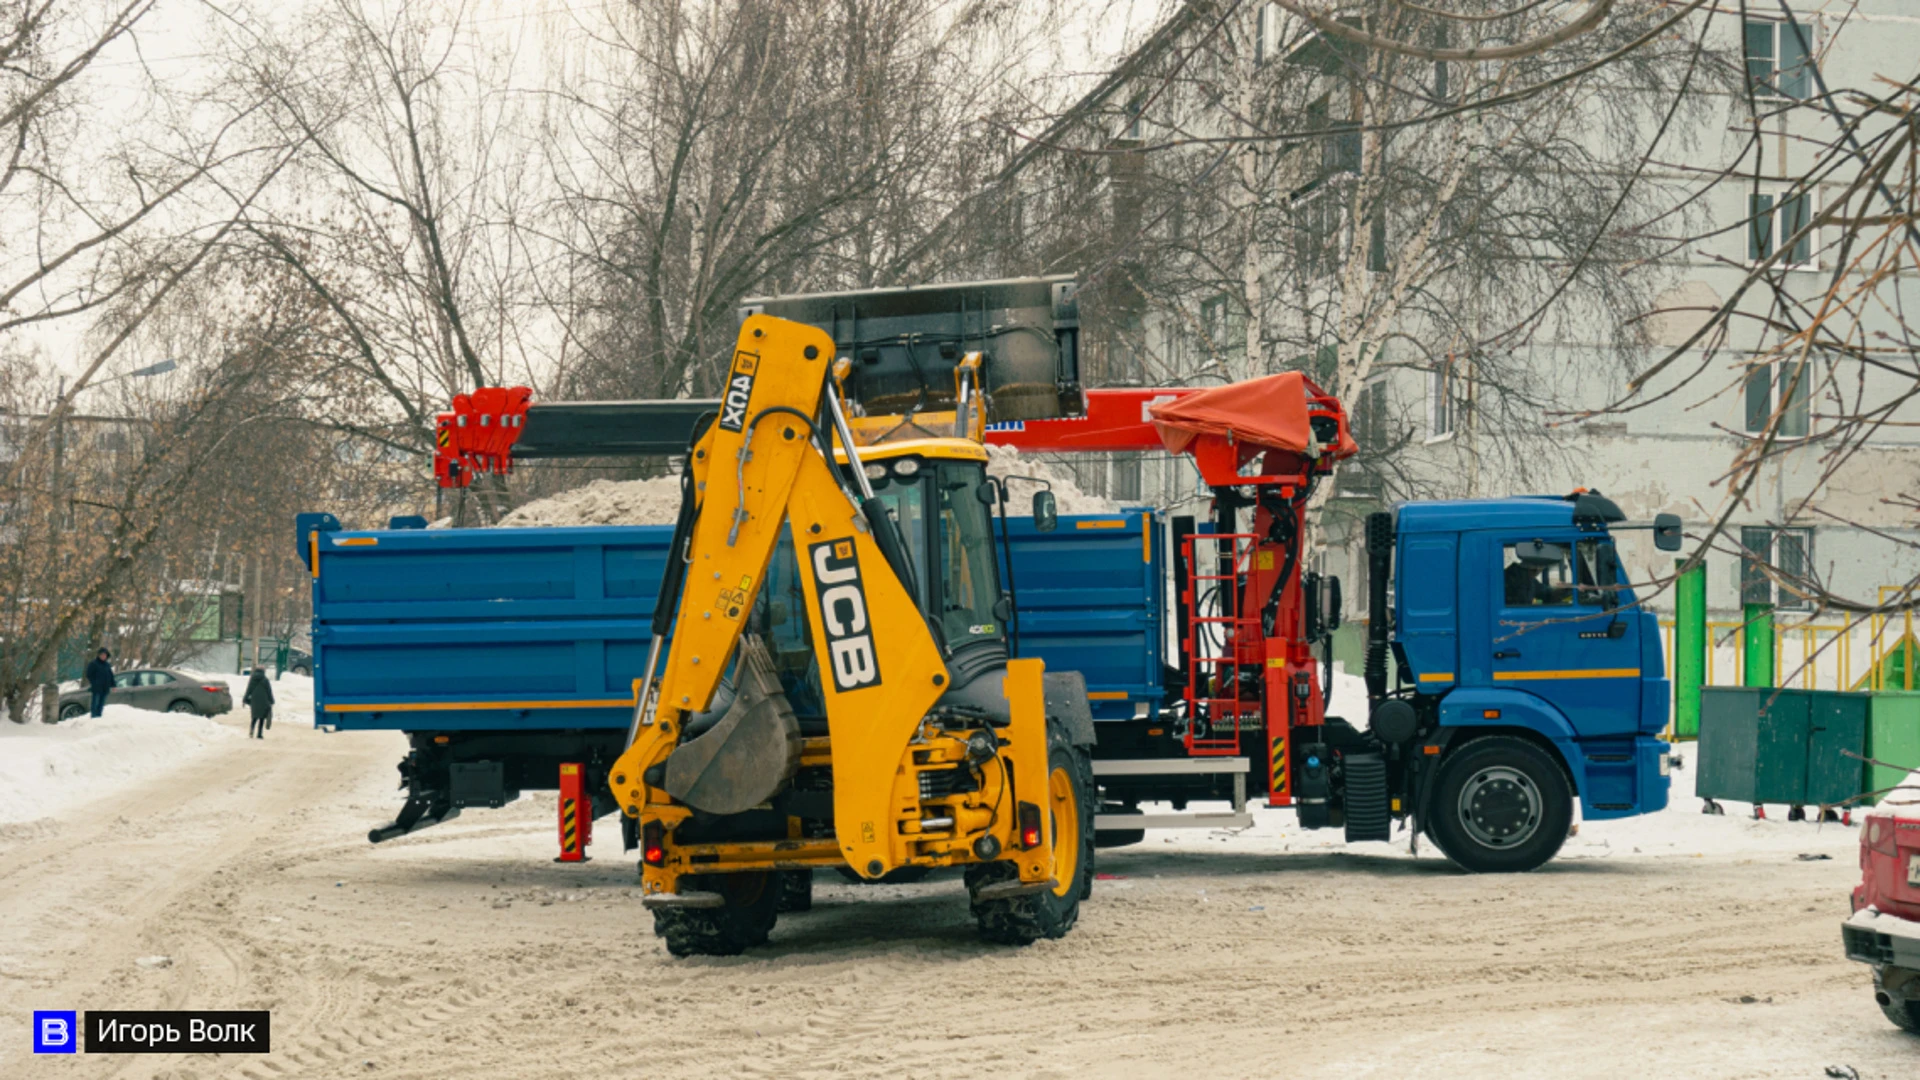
[1088,600]
[483,629]
[548,629]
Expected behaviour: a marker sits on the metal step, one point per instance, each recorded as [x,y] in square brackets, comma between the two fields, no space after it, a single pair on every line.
[1217,820]
[1170,766]
[1237,818]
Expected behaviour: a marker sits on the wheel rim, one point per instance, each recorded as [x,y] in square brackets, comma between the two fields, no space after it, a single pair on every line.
[181,707]
[1500,807]
[1066,831]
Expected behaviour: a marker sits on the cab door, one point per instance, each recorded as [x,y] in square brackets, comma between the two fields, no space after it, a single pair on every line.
[1565,629]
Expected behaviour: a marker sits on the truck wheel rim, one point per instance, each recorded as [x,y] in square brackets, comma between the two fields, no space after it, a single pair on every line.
[1066,831]
[1500,807]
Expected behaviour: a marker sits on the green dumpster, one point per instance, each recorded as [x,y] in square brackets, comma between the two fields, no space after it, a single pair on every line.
[1764,745]
[1893,736]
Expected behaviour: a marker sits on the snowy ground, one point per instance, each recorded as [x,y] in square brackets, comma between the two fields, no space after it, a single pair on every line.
[185,866]
[49,770]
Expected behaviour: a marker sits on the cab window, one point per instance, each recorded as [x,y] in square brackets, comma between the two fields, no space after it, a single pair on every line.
[1543,573]
[969,585]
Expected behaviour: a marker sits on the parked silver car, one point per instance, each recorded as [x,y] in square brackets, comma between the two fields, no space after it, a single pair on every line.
[159,689]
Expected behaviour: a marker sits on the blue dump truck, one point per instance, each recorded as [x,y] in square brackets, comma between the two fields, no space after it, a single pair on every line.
[1510,670]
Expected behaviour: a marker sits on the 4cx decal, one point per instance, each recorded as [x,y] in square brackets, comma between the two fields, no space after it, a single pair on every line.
[843,615]
[733,407]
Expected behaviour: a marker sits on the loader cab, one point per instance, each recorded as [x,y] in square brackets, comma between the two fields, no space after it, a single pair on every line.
[932,489]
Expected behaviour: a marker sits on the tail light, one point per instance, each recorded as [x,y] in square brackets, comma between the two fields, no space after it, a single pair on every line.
[216,689]
[653,844]
[1880,834]
[1029,826]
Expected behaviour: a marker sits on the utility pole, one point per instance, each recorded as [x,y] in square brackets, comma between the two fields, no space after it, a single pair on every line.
[56,490]
[259,604]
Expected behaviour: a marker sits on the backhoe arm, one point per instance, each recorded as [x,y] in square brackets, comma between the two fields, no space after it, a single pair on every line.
[763,463]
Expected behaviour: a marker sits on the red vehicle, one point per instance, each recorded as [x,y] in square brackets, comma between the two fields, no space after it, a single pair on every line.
[1884,930]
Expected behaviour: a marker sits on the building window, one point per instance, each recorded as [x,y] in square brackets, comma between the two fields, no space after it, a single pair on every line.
[1316,231]
[1776,220]
[1772,383]
[1779,59]
[1788,551]
[1442,391]
[1341,152]
[1266,34]
[1123,483]
[1377,242]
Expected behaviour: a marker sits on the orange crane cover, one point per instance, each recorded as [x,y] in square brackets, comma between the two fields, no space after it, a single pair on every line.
[1269,411]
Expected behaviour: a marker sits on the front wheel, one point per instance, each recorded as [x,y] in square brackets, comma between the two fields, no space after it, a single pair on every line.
[1050,912]
[1500,805]
[72,710]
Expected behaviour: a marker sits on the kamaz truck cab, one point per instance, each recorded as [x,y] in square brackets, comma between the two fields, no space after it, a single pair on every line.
[1527,672]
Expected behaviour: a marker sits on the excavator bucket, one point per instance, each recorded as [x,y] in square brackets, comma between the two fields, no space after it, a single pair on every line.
[745,758]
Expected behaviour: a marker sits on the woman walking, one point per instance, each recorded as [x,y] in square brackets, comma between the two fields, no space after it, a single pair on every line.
[259,697]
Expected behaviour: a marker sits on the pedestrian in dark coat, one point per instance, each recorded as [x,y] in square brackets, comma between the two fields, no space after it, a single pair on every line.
[100,679]
[259,697]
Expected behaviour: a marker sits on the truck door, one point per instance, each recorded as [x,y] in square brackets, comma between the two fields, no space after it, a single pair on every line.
[1564,628]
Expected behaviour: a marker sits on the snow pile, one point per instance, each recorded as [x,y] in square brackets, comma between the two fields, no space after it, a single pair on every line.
[48,769]
[657,501]
[605,502]
[1013,466]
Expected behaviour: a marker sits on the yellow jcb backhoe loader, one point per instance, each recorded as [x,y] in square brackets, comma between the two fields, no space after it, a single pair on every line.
[837,692]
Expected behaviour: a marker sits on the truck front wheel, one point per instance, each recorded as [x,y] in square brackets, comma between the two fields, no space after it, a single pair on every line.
[1500,805]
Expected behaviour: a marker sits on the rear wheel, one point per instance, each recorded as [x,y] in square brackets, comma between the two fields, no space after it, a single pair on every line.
[182,706]
[743,920]
[1500,805]
[72,710]
[1050,912]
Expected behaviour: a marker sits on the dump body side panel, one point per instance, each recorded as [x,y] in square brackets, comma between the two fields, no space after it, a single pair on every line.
[545,629]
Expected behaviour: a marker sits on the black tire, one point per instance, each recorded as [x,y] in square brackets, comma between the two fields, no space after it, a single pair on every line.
[72,710]
[1904,1014]
[1050,913]
[1501,805]
[742,922]
[1903,1011]
[796,891]
[182,706]
[899,875]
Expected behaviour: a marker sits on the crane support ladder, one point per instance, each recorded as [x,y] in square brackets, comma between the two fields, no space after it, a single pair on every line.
[1217,631]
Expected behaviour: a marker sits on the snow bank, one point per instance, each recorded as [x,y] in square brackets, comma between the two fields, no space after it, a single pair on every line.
[47,770]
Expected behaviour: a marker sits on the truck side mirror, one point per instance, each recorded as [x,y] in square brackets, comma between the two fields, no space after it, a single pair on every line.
[1330,602]
[1666,532]
[1046,515]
